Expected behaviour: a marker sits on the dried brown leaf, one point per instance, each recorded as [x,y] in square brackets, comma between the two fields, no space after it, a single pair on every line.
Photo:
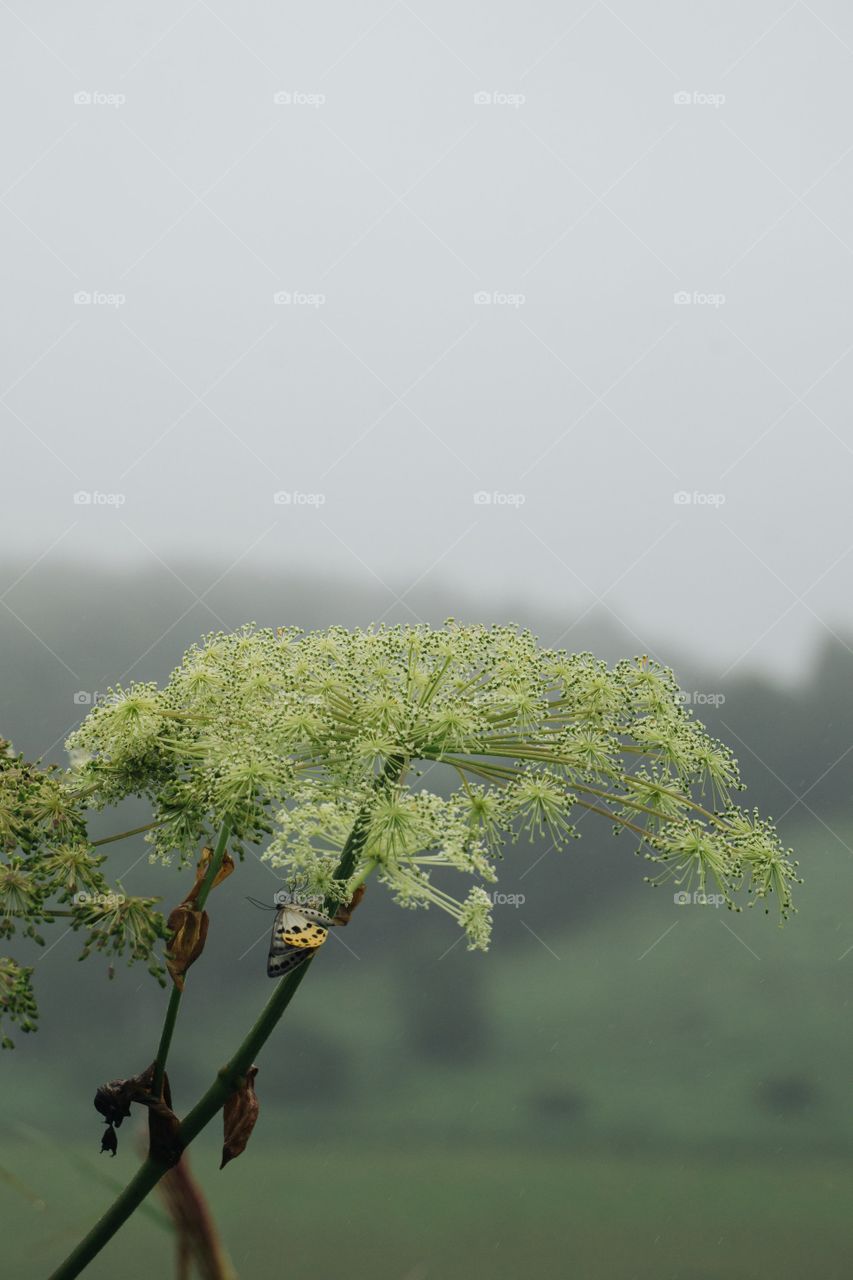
[113,1101]
[197,1238]
[164,1132]
[225,870]
[343,915]
[239,1116]
[188,929]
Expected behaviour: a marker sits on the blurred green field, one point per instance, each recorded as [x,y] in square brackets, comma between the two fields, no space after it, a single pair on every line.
[659,1091]
[453,1211]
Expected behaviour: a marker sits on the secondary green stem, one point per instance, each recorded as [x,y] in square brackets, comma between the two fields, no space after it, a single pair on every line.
[123,835]
[175,998]
[228,1077]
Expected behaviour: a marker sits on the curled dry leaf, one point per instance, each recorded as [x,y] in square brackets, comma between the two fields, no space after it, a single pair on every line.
[225,869]
[113,1101]
[344,914]
[239,1115]
[164,1131]
[187,925]
[188,928]
[109,1140]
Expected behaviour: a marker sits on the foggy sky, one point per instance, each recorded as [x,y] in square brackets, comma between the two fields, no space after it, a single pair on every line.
[619,155]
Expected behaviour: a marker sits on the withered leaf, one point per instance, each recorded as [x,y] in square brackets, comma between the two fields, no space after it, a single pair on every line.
[196,1237]
[343,915]
[109,1140]
[164,1140]
[113,1102]
[188,928]
[239,1116]
[187,924]
[225,869]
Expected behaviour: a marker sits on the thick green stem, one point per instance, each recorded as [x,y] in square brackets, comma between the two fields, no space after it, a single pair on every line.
[228,1077]
[150,1173]
[175,998]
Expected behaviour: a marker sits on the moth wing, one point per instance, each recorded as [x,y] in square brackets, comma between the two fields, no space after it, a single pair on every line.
[318,917]
[277,941]
[282,962]
[293,928]
[306,936]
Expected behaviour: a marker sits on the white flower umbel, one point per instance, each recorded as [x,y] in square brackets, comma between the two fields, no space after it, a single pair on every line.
[295,738]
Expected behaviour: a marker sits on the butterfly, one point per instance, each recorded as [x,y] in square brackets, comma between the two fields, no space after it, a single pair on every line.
[297,932]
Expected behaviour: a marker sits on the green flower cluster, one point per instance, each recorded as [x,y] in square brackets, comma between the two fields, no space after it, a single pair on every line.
[49,869]
[299,739]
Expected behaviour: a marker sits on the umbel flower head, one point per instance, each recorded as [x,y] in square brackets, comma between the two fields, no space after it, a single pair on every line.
[48,867]
[324,745]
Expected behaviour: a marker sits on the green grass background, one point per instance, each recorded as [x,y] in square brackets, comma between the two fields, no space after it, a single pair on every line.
[655,1092]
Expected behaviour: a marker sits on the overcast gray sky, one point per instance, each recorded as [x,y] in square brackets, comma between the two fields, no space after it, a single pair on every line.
[245,253]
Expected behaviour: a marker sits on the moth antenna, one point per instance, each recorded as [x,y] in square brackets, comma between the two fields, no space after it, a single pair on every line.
[264,906]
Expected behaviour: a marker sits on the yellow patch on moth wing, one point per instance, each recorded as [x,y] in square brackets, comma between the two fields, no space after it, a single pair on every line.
[311,938]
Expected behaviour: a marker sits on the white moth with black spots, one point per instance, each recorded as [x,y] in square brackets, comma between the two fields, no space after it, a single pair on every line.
[297,932]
